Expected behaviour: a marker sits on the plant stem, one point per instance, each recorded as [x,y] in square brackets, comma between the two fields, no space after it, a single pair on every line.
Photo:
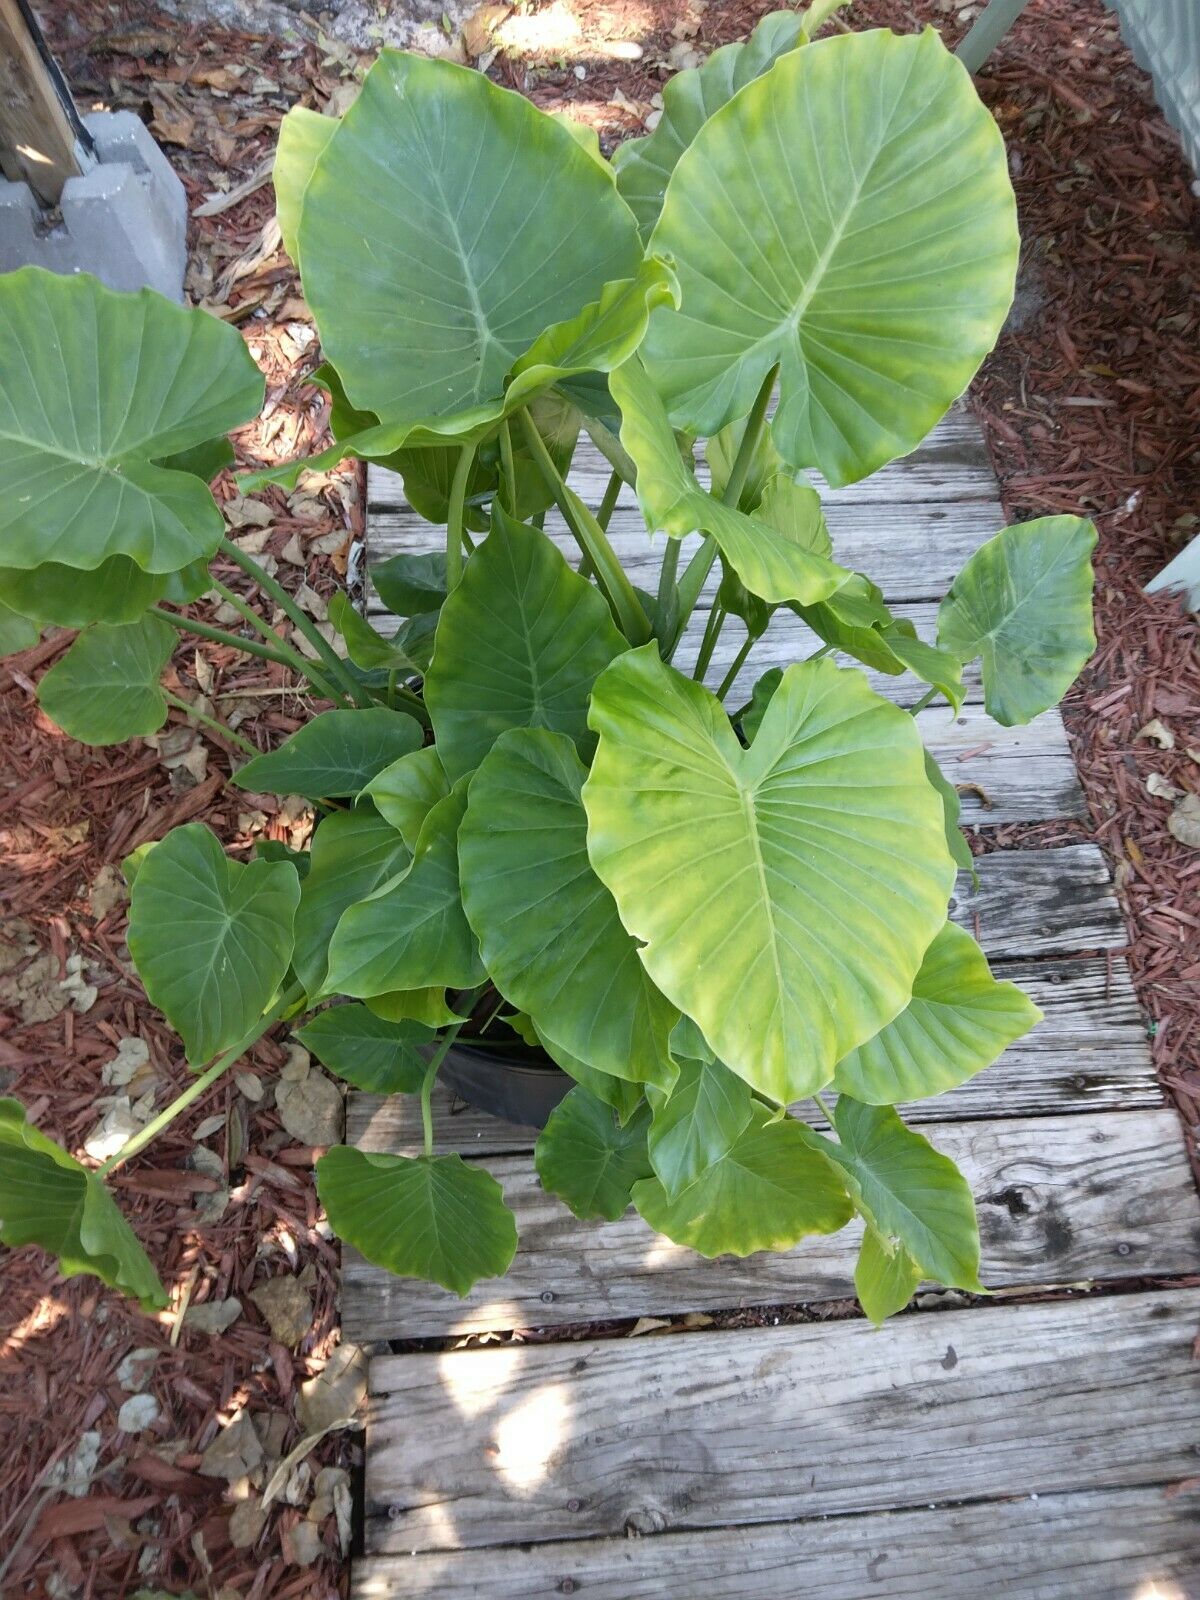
[712,632]
[667,599]
[817,654]
[735,666]
[292,657]
[454,523]
[202,630]
[214,723]
[818,14]
[508,468]
[333,663]
[592,540]
[205,1081]
[698,568]
[431,1072]
[930,694]
[611,448]
[612,494]
[825,1111]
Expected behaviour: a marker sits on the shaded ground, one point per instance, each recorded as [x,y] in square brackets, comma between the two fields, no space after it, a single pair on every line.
[1090,405]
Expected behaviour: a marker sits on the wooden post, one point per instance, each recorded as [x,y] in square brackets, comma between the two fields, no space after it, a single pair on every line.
[42,141]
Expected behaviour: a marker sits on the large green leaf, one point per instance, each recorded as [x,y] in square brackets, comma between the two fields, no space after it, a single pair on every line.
[211,938]
[303,135]
[426,1006]
[698,1123]
[769,1190]
[337,753]
[48,1198]
[1023,602]
[407,791]
[105,689]
[907,1190]
[956,841]
[95,388]
[885,1275]
[548,929]
[519,644]
[412,584]
[487,223]
[412,933]
[958,1021]
[786,893]
[17,632]
[589,1159]
[848,216]
[432,1217]
[644,166]
[353,853]
[369,1052]
[117,591]
[771,563]
[619,1093]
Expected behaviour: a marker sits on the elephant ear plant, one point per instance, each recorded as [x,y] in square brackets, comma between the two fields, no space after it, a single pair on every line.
[540,830]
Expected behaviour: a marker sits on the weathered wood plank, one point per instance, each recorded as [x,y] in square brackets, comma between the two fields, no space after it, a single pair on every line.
[1041,902]
[1005,774]
[529,1443]
[1108,1544]
[911,551]
[1089,1054]
[1060,1200]
[37,138]
[951,464]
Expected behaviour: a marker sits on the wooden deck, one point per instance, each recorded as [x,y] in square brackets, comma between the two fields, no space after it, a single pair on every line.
[1027,1451]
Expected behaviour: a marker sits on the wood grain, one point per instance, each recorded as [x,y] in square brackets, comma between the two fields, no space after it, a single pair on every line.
[1102,1544]
[37,140]
[1061,1200]
[529,1443]
[1089,1054]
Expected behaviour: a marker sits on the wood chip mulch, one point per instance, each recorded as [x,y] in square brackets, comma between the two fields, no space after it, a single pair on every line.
[1090,405]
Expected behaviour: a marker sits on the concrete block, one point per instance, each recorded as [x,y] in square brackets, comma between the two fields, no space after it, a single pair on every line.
[125,220]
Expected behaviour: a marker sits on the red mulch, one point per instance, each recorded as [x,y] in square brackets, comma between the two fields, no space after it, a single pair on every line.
[1112,257]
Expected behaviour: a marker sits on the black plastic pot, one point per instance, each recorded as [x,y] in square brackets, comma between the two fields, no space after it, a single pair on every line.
[517,1086]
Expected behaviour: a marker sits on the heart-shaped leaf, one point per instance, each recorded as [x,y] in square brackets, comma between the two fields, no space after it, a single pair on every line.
[786,893]
[588,1159]
[488,223]
[698,1122]
[411,585]
[407,791]
[211,938]
[769,562]
[412,933]
[767,1192]
[548,929]
[907,1190]
[519,644]
[48,1198]
[958,1021]
[848,216]
[105,689]
[884,1276]
[117,591]
[337,753]
[432,1217]
[16,631]
[353,853]
[644,166]
[95,388]
[374,1055]
[1023,602]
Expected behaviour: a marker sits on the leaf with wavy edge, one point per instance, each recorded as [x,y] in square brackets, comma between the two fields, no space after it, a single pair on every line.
[365,1050]
[644,166]
[856,621]
[589,1159]
[768,560]
[336,754]
[433,1217]
[849,216]
[548,929]
[116,591]
[488,224]
[956,841]
[105,689]
[96,388]
[767,1192]
[49,1198]
[786,893]
[411,933]
[211,938]
[958,1021]
[1023,602]
[519,643]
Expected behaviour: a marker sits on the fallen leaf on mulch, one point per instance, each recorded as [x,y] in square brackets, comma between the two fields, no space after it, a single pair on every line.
[1162,788]
[332,1398]
[135,1370]
[246,1523]
[235,1452]
[287,1306]
[310,1108]
[1184,822]
[1159,732]
[139,1412]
